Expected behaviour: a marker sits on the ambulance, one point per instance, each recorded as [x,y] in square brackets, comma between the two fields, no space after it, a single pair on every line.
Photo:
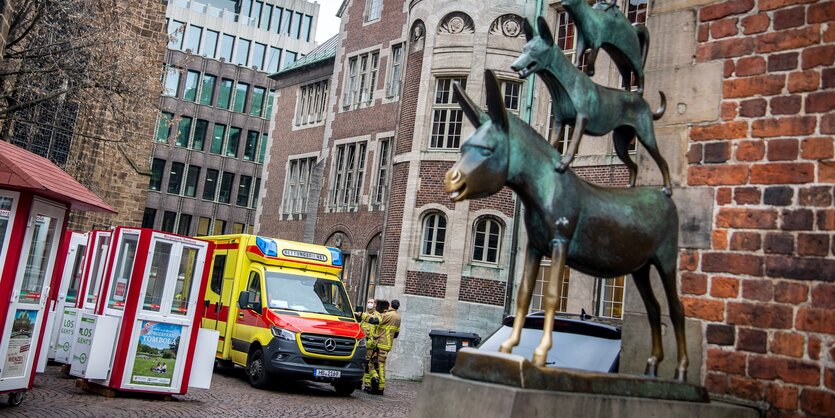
[282,312]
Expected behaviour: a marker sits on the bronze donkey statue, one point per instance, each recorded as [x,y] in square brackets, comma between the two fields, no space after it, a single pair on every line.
[588,107]
[603,232]
[604,26]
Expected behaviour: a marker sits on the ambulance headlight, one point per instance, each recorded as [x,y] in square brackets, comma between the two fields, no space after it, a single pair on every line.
[361,342]
[283,334]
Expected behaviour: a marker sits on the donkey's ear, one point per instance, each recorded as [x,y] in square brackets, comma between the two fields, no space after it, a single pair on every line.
[528,29]
[471,110]
[495,101]
[544,31]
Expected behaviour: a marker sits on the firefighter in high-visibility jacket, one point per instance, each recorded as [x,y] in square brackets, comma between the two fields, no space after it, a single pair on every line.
[369,322]
[387,331]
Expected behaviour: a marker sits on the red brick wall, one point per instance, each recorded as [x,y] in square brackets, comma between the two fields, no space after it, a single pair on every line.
[765,287]
[474,289]
[501,201]
[432,183]
[605,175]
[426,284]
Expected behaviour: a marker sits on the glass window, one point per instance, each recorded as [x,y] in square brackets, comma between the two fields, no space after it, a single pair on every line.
[269,107]
[256,11]
[434,235]
[512,90]
[149,217]
[244,187]
[5,214]
[258,52]
[266,12]
[156,277]
[289,58]
[210,185]
[446,115]
[193,38]
[539,287]
[77,267]
[256,193]
[372,10]
[307,21]
[349,171]
[273,60]
[297,20]
[362,79]
[164,126]
[382,171]
[207,90]
[175,34]
[306,294]
[241,91]
[168,219]
[636,11]
[218,133]
[203,230]
[172,81]
[396,69]
[226,45]
[233,142]
[262,152]
[246,8]
[184,224]
[298,185]
[201,127]
[275,24]
[610,299]
[257,101]
[285,25]
[226,181]
[486,240]
[238,228]
[175,179]
[210,43]
[157,169]
[37,258]
[185,280]
[225,95]
[251,145]
[100,253]
[183,131]
[242,56]
[191,181]
[312,103]
[219,227]
[123,272]
[190,89]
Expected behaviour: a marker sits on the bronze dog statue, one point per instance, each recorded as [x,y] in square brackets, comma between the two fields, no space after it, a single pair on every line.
[590,108]
[604,26]
[603,232]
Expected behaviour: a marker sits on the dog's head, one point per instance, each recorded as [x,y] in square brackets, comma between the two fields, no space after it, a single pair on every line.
[482,169]
[535,53]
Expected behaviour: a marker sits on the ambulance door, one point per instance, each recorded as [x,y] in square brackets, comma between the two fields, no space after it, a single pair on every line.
[248,320]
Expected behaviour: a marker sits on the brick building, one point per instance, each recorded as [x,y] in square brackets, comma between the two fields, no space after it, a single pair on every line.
[213,129]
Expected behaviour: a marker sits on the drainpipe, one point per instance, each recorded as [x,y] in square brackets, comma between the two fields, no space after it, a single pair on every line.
[517,209]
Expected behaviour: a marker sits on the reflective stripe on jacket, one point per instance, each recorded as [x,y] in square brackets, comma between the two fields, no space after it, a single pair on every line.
[389,325]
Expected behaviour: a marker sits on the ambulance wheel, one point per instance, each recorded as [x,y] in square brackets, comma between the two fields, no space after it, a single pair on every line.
[345,388]
[255,370]
[15,398]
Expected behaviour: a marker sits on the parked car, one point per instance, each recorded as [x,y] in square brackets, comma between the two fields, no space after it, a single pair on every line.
[579,341]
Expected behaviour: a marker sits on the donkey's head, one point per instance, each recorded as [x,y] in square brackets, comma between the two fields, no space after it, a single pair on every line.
[535,52]
[485,155]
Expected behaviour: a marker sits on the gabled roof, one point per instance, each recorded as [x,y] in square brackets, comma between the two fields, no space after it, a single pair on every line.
[25,171]
[319,54]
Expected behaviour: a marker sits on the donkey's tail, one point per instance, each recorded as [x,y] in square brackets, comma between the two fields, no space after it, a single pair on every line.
[643,40]
[661,109]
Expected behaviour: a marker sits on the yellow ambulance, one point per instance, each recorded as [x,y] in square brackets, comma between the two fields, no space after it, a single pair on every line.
[282,312]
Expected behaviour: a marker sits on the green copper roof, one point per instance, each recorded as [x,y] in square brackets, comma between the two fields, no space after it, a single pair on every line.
[320,53]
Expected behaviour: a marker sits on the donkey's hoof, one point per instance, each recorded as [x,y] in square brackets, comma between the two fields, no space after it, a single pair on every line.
[561,167]
[667,191]
[539,359]
[681,375]
[652,367]
[506,347]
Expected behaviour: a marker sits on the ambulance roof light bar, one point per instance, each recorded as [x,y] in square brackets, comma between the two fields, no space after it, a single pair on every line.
[267,246]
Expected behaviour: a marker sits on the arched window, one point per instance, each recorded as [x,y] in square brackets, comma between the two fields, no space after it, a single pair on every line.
[434,235]
[487,240]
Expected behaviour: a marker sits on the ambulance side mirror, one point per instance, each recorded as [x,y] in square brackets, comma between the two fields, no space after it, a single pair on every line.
[249,300]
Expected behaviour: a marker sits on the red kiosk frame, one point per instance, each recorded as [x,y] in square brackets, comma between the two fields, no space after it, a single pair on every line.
[35,199]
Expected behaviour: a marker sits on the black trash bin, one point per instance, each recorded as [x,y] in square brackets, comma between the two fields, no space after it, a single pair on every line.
[445,346]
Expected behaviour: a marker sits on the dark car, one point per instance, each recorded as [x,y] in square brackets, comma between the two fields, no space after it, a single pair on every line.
[579,341]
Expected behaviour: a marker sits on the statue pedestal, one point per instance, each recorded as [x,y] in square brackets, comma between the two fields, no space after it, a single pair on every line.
[494,385]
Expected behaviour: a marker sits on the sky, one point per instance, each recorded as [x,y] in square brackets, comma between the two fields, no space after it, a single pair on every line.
[328,22]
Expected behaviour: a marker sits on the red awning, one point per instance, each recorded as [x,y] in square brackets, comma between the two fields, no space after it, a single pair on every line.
[22,170]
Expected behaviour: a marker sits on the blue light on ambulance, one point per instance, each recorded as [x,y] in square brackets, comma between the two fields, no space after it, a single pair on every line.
[267,246]
[336,256]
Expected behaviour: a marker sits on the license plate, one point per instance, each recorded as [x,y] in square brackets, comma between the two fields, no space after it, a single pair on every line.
[327,373]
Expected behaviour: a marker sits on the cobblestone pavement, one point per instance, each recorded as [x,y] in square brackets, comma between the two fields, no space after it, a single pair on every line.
[55,395]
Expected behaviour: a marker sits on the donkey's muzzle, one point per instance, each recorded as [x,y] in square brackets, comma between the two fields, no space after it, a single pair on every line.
[454,184]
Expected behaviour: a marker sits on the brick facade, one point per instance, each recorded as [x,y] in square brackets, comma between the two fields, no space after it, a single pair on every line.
[605,175]
[764,288]
[486,291]
[422,283]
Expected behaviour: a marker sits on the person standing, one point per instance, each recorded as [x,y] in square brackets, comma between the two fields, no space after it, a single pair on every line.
[369,320]
[388,330]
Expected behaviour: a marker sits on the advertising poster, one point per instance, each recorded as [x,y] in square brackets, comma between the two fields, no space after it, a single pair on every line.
[20,343]
[63,345]
[156,354]
[83,345]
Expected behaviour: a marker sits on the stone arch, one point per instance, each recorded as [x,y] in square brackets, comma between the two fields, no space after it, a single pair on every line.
[509,25]
[456,23]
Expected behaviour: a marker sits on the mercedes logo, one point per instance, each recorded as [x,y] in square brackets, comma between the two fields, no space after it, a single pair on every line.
[330,344]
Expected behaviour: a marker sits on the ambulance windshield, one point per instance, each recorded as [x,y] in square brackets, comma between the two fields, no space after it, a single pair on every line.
[306,294]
